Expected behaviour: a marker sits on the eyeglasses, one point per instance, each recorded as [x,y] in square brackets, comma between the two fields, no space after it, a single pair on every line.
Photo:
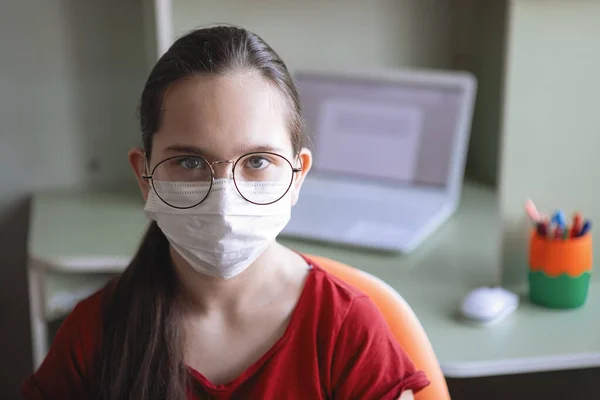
[185,181]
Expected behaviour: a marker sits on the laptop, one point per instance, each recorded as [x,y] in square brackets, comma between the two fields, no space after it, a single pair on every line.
[389,155]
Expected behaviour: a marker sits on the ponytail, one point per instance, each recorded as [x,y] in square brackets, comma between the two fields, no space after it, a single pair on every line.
[140,355]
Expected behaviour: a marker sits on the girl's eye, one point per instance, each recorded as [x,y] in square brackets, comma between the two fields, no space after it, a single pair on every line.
[191,163]
[258,162]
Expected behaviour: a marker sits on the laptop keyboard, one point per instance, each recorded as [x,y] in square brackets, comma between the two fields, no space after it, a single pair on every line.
[381,211]
[359,214]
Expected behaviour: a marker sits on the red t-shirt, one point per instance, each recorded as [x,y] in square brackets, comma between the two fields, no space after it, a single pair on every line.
[337,346]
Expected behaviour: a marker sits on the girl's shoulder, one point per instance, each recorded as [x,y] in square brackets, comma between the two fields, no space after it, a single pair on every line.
[353,332]
[66,370]
[333,301]
[332,288]
[87,316]
[85,323]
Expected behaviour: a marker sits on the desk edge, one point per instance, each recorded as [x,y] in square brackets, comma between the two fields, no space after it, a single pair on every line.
[92,264]
[520,365]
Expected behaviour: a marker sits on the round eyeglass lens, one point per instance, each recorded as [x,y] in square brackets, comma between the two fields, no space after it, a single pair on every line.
[182,181]
[263,178]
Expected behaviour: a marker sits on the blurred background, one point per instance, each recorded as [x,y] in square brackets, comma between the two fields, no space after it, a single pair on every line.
[71,73]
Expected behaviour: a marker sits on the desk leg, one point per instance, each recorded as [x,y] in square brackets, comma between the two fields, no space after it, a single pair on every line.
[39,329]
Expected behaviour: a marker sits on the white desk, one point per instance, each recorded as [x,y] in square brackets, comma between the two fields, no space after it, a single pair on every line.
[78,240]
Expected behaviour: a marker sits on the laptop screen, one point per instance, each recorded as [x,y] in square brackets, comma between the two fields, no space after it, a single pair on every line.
[380,128]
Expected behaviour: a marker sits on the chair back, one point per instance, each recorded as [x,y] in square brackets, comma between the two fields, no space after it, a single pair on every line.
[402,321]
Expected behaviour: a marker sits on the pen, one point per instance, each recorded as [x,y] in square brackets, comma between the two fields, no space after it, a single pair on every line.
[559,219]
[542,228]
[558,233]
[551,230]
[576,225]
[532,211]
[586,228]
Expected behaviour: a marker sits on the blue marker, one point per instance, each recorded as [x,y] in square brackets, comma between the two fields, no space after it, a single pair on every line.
[559,219]
[586,227]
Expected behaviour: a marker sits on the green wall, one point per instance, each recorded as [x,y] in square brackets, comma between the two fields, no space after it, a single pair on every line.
[551,132]
[71,73]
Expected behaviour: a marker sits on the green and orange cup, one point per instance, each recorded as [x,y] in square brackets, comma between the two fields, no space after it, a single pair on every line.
[559,270]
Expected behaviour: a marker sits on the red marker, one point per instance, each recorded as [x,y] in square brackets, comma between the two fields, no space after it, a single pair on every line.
[576,225]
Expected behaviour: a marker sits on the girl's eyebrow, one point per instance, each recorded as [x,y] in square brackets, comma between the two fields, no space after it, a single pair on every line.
[259,148]
[200,152]
[187,149]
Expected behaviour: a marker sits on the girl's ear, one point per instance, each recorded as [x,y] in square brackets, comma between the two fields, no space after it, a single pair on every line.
[304,160]
[137,159]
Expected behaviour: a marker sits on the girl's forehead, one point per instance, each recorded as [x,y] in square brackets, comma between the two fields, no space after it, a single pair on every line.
[224,114]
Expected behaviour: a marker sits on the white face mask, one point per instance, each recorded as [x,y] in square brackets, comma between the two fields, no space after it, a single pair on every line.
[224,234]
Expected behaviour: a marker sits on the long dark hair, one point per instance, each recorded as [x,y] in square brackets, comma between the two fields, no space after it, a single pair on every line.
[141,355]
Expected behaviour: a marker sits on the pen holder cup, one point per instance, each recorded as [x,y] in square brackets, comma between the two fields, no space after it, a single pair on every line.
[559,270]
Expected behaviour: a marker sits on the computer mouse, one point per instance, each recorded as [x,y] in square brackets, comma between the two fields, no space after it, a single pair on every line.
[487,305]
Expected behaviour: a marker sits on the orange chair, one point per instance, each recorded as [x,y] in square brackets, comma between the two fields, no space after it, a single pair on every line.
[402,321]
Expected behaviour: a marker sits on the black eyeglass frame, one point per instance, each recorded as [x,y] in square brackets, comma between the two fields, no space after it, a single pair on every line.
[149,177]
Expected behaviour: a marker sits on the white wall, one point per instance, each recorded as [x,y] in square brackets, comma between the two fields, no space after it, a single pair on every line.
[335,33]
[71,73]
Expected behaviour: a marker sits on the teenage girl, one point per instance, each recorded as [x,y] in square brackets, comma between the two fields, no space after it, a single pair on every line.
[211,305]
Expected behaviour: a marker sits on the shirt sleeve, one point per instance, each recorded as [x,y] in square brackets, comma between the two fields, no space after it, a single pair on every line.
[368,362]
[64,372]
